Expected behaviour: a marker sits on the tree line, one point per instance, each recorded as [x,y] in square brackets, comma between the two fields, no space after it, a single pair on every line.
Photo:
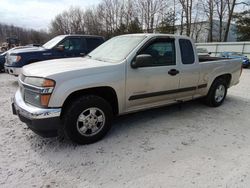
[114,17]
[26,36]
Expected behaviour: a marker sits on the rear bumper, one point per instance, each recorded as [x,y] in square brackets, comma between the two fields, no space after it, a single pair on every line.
[13,70]
[44,122]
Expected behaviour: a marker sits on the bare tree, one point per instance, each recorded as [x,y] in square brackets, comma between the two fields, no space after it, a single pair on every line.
[221,8]
[209,11]
[113,17]
[198,23]
[230,6]
[149,11]
[68,22]
[187,6]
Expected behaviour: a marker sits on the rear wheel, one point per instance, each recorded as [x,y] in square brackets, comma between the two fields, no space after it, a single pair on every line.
[217,93]
[88,119]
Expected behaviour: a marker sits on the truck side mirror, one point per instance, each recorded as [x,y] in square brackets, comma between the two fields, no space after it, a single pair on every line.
[142,60]
[60,47]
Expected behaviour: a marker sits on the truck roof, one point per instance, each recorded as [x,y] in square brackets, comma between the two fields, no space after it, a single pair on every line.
[78,35]
[157,35]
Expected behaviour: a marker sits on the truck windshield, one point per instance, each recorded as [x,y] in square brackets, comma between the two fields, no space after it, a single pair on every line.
[50,44]
[116,49]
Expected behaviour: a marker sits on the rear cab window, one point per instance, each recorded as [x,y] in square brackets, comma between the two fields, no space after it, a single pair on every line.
[93,42]
[187,52]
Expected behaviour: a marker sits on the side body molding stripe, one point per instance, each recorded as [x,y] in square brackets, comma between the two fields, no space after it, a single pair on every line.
[155,94]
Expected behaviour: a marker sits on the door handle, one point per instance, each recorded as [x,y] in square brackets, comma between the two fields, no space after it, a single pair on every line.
[173,72]
[82,54]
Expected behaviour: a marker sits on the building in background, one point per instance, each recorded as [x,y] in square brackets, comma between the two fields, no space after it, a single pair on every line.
[200,31]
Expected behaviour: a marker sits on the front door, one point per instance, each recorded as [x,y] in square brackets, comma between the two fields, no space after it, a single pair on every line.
[155,82]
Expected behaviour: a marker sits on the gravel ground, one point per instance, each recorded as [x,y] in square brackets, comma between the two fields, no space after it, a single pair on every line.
[191,146]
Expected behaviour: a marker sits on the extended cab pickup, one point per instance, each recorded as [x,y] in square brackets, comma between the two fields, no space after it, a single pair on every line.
[62,46]
[79,97]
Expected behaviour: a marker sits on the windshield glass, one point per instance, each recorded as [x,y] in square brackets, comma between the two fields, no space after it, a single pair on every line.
[50,44]
[116,49]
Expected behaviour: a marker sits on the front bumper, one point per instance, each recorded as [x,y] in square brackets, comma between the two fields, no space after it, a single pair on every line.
[44,122]
[13,70]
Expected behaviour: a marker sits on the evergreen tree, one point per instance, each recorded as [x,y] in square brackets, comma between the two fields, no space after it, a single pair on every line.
[243,25]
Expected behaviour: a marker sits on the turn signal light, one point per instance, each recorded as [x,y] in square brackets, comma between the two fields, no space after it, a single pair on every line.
[45,100]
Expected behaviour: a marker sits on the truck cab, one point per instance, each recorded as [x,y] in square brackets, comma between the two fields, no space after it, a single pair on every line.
[63,46]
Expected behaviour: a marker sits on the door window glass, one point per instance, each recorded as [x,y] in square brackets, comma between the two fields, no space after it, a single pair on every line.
[92,43]
[162,53]
[72,44]
[187,52]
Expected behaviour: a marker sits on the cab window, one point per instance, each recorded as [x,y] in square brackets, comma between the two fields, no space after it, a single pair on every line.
[92,43]
[162,52]
[72,44]
[187,52]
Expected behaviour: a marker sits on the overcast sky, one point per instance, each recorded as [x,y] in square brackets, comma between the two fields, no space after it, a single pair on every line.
[36,14]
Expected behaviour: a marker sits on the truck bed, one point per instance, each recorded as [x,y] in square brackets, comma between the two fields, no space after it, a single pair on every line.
[208,58]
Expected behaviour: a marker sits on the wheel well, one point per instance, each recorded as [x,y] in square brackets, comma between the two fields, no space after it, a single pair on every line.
[106,93]
[226,77]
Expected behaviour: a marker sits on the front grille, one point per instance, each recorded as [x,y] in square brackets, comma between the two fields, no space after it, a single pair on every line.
[22,91]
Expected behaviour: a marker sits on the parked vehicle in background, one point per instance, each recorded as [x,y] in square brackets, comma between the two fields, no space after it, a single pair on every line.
[63,46]
[11,42]
[128,73]
[203,52]
[3,56]
[236,55]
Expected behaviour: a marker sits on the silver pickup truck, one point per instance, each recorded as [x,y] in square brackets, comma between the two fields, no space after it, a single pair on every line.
[80,96]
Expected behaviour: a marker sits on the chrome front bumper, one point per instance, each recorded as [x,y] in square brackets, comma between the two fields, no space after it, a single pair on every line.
[44,122]
[32,112]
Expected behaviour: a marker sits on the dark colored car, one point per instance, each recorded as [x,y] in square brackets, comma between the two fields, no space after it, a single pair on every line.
[63,46]
[235,55]
[3,56]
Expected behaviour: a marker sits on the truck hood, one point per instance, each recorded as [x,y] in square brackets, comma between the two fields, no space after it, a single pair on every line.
[51,68]
[27,50]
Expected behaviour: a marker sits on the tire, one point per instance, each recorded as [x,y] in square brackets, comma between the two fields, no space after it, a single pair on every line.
[217,93]
[88,119]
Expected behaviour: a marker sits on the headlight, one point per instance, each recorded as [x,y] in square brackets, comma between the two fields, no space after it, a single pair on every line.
[15,58]
[39,82]
[37,91]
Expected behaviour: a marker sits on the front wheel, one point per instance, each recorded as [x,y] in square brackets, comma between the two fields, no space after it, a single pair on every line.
[217,93]
[88,119]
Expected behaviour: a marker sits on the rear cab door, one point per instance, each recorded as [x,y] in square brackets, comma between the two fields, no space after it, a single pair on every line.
[189,69]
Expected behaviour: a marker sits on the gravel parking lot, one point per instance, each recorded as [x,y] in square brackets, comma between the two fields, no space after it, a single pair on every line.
[191,146]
